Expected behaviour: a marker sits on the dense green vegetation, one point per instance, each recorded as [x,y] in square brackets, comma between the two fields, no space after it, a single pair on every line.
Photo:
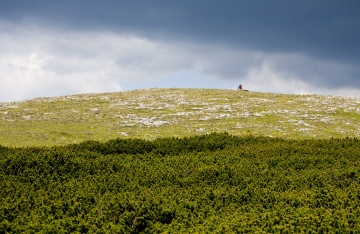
[214,183]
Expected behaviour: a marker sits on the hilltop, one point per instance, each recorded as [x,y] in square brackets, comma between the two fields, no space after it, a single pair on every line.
[153,113]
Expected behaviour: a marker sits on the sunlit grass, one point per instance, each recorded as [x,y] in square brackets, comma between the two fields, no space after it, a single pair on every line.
[153,113]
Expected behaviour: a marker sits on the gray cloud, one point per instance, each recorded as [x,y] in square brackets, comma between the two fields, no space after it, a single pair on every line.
[322,28]
[38,61]
[60,47]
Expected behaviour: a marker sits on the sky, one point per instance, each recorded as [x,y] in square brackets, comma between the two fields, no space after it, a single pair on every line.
[54,48]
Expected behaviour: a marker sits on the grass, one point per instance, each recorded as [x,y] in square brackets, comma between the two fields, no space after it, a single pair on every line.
[152,113]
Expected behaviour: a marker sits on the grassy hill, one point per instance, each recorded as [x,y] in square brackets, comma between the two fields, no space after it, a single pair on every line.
[153,113]
[293,181]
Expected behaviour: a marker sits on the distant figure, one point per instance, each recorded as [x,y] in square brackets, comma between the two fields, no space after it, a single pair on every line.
[241,88]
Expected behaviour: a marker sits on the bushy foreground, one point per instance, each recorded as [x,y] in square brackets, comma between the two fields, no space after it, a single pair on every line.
[213,183]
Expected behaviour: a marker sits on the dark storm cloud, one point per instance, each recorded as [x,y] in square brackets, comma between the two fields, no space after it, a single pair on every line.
[315,43]
[325,28]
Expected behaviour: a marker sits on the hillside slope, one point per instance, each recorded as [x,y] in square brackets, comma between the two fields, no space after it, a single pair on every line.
[153,113]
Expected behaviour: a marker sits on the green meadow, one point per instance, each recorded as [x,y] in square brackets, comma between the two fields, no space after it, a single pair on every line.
[180,161]
[154,113]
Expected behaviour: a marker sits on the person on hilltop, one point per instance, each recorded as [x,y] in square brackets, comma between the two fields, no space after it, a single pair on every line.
[241,88]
